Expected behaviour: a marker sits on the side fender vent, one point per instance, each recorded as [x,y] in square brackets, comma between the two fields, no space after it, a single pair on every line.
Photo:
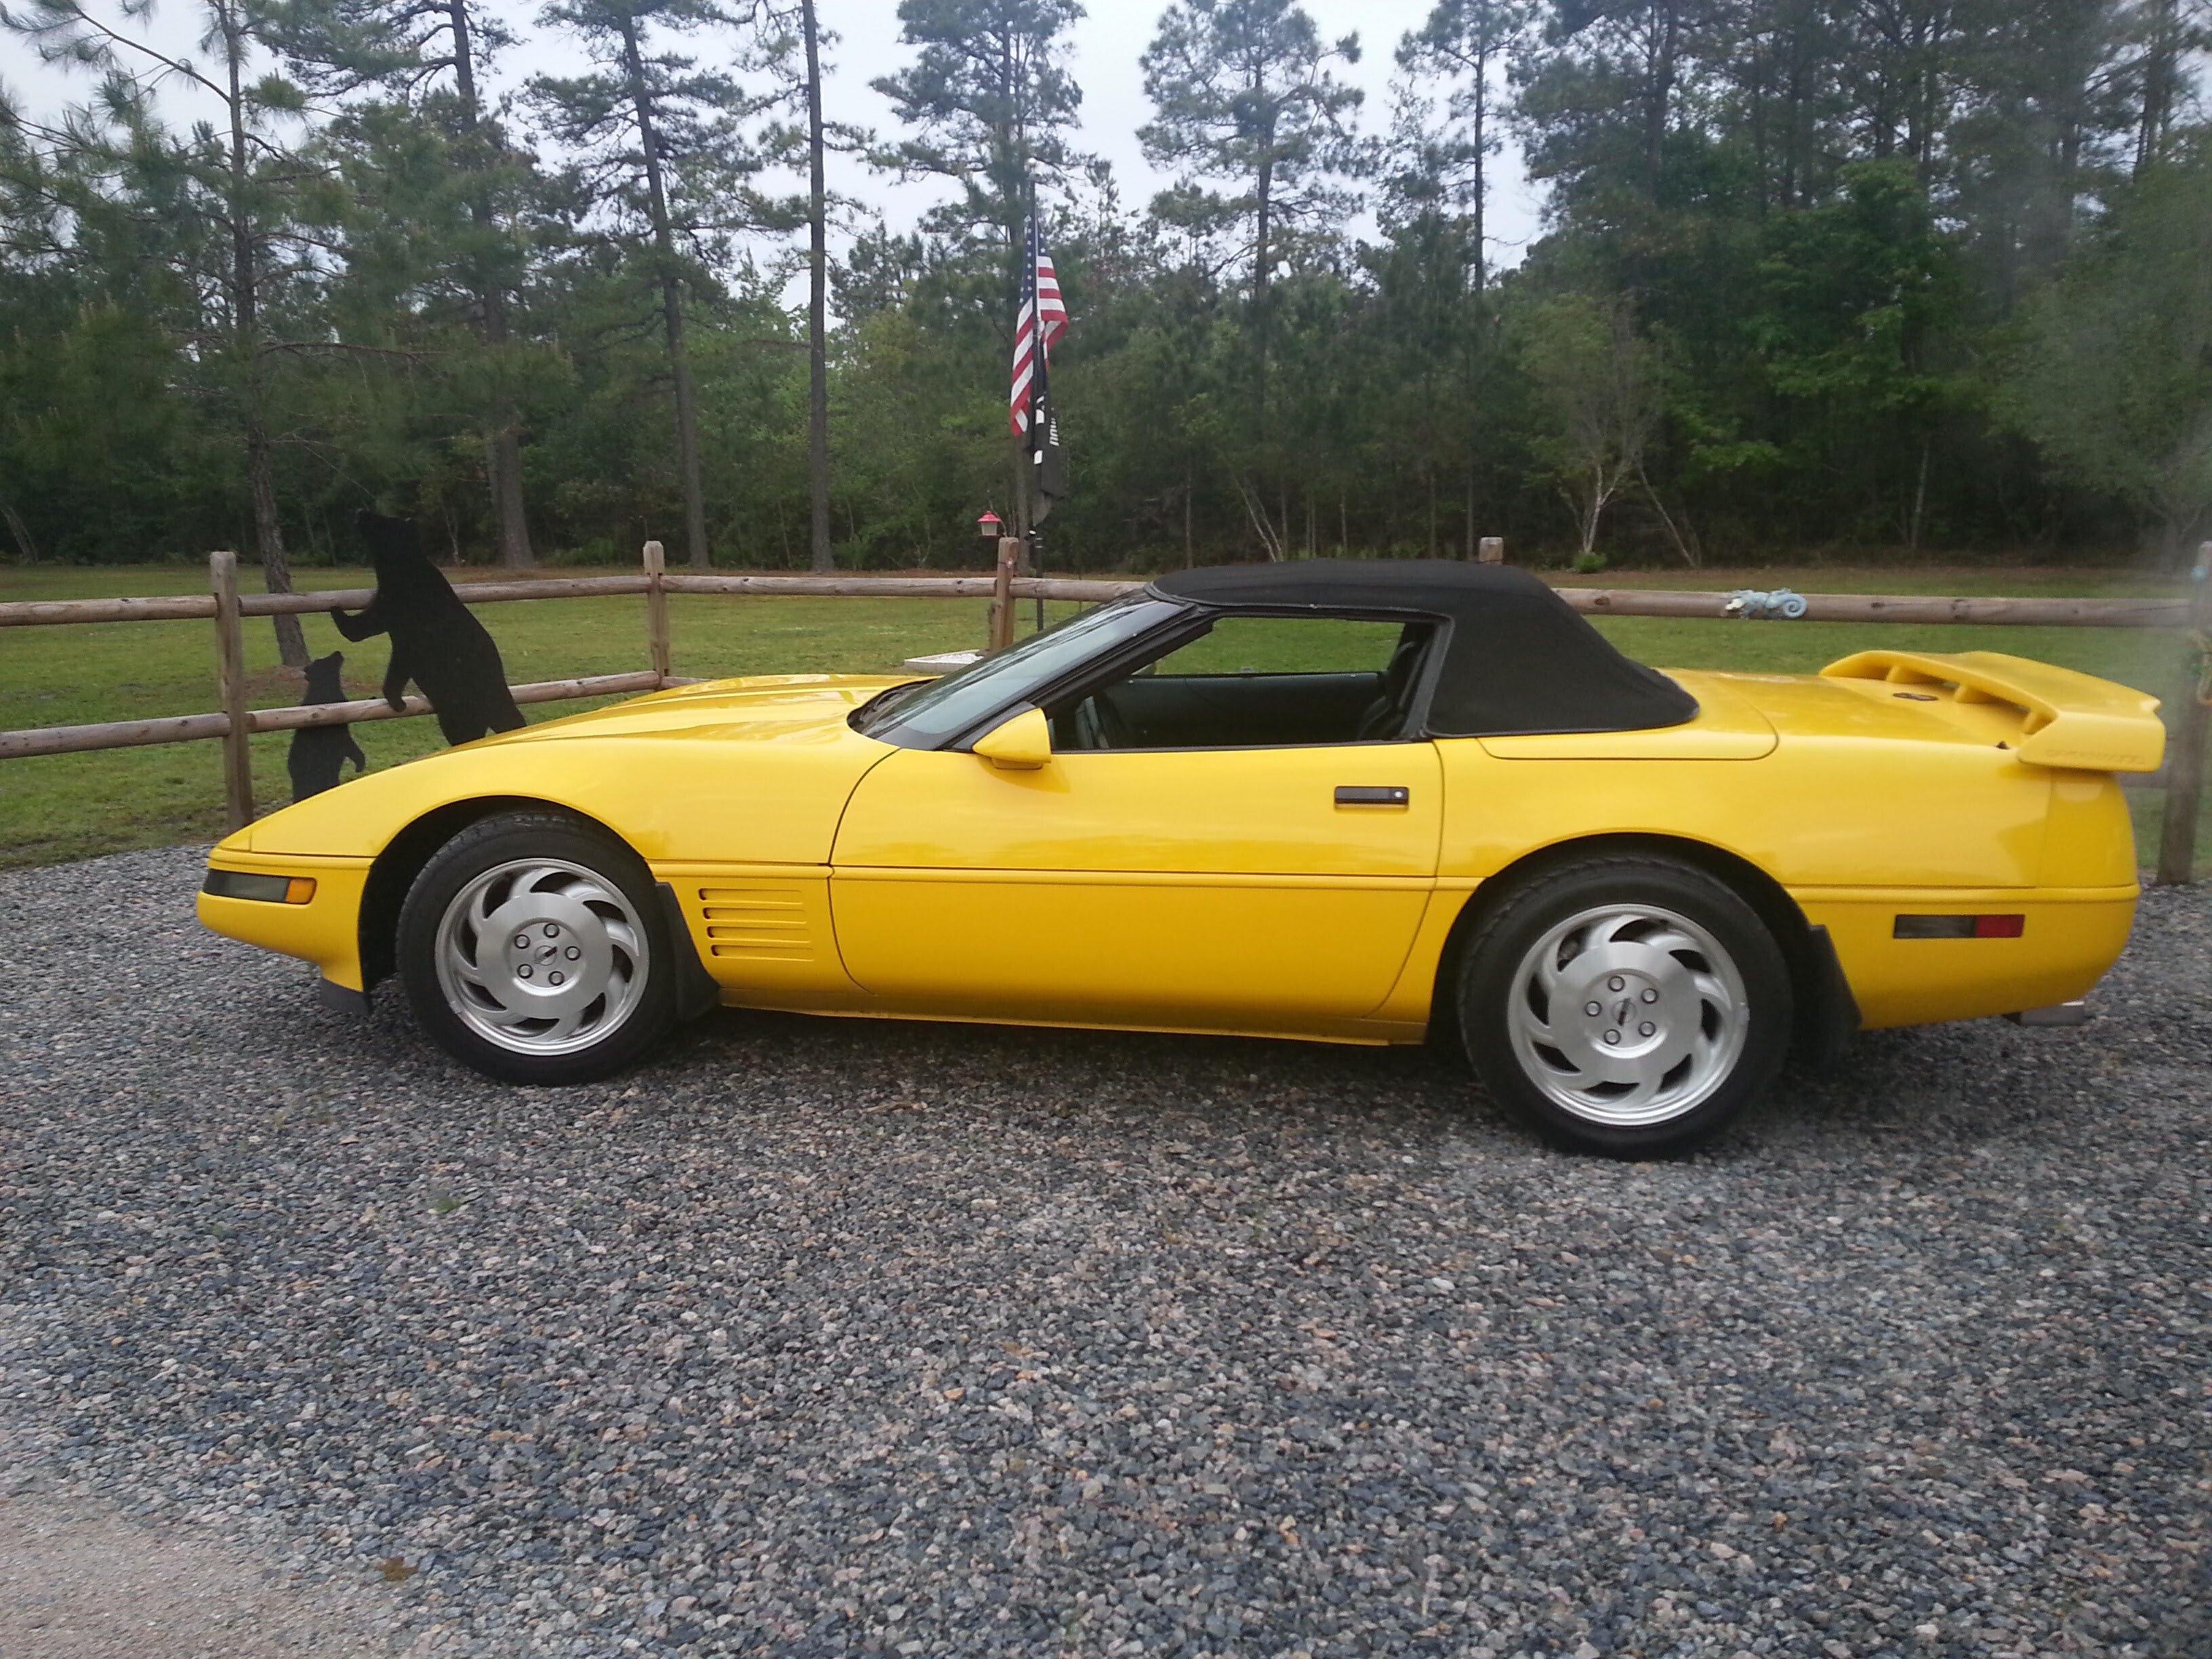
[767,923]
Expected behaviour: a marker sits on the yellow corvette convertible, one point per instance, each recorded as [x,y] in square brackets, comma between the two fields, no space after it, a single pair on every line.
[1346,801]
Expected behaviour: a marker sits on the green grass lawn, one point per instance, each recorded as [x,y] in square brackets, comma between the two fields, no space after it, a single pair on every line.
[66,806]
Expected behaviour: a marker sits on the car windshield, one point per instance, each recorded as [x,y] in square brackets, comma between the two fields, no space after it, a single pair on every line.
[925,715]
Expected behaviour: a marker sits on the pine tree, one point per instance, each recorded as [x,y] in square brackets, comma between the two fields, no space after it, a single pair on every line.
[1243,92]
[2114,376]
[791,44]
[989,105]
[821,556]
[661,149]
[1462,50]
[232,189]
[426,56]
[991,108]
[1602,101]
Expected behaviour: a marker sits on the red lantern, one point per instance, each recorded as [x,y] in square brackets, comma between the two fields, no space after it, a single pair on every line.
[988,529]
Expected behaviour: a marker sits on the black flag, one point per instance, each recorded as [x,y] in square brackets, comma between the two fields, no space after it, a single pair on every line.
[1048,469]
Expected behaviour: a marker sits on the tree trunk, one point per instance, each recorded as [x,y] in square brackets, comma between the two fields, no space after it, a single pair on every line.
[1674,533]
[514,550]
[1919,496]
[1481,165]
[687,425]
[269,533]
[1659,91]
[671,302]
[1189,489]
[21,532]
[268,526]
[1256,511]
[1589,509]
[2158,79]
[504,441]
[820,557]
[1261,260]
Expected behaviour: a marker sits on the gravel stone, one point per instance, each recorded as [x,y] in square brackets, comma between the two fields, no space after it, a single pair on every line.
[825,1337]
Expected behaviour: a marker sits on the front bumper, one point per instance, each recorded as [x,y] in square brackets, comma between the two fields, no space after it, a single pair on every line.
[326,930]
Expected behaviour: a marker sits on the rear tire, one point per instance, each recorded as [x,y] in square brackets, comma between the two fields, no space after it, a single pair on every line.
[533,951]
[1628,1005]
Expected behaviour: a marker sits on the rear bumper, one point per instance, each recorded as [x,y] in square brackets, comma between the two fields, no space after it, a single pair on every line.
[2068,939]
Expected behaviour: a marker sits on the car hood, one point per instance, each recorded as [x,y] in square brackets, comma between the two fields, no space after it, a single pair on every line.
[760,708]
[773,755]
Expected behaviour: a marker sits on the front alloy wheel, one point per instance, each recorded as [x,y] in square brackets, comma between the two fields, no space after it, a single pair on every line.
[542,955]
[532,950]
[1628,1005]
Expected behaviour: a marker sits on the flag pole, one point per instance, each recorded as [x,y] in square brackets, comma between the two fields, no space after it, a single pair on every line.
[1040,317]
[1031,544]
[1018,509]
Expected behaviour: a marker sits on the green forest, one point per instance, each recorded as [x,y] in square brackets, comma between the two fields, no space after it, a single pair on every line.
[1895,278]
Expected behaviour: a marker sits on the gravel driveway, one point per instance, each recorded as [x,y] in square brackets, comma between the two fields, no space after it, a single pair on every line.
[844,1337]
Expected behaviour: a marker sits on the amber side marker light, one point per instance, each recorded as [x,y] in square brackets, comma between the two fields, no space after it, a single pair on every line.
[1959,927]
[269,889]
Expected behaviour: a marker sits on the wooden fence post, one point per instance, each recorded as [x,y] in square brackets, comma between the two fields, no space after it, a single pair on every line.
[1002,592]
[230,685]
[2185,754]
[1492,551]
[656,609]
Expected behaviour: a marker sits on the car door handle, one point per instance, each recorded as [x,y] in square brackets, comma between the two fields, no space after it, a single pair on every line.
[1362,794]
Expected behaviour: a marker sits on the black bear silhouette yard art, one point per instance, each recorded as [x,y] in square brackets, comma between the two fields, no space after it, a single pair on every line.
[435,642]
[319,753]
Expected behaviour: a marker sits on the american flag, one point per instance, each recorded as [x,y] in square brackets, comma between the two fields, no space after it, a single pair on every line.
[1043,314]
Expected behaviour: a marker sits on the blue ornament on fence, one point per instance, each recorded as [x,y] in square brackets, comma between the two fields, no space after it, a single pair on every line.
[1760,603]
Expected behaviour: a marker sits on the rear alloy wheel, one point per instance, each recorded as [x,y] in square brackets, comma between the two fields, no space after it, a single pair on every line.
[533,951]
[1627,1006]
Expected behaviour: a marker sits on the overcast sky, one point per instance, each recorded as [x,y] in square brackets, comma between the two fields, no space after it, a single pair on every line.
[1106,47]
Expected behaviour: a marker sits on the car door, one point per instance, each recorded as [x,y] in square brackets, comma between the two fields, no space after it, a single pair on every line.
[1273,886]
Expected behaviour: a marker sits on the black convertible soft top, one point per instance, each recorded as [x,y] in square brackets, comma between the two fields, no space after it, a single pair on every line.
[1518,658]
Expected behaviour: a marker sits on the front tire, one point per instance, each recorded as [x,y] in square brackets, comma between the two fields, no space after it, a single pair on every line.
[533,951]
[1629,1005]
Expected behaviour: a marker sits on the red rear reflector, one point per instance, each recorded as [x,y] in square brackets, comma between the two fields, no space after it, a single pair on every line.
[1959,927]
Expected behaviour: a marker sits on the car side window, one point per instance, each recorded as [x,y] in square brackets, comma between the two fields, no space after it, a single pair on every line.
[1259,682]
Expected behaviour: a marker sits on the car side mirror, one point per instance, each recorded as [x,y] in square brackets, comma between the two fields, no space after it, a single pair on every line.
[1020,744]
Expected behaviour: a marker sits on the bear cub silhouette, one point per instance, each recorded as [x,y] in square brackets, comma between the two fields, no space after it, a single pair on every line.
[435,642]
[319,752]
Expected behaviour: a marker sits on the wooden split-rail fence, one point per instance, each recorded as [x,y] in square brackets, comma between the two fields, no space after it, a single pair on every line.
[234,722]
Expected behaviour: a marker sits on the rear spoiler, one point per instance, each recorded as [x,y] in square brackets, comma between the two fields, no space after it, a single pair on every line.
[2068,719]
